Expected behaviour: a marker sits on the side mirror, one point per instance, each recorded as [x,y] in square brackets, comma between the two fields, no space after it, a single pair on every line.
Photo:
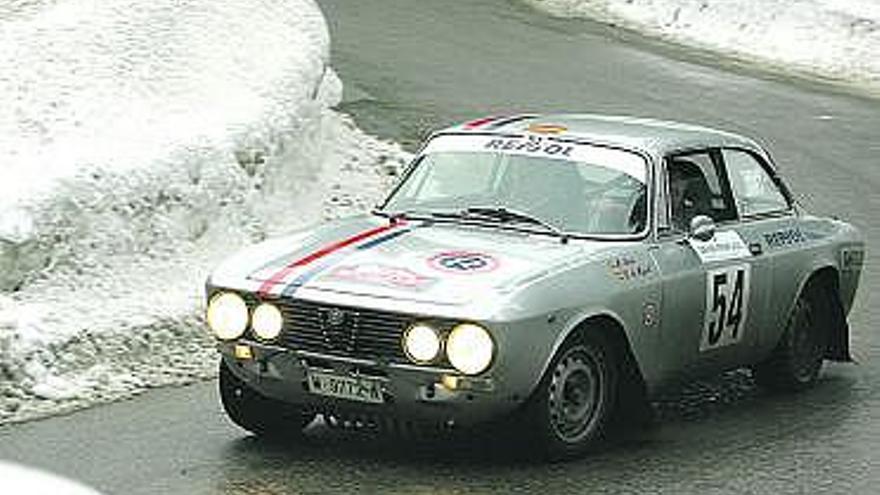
[702,228]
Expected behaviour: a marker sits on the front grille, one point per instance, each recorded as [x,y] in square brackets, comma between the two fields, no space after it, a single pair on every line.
[343,331]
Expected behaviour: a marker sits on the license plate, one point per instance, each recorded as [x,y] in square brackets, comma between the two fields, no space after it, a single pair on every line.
[345,387]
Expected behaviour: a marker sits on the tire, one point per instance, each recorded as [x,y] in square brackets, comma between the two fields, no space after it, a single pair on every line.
[257,413]
[570,408]
[797,360]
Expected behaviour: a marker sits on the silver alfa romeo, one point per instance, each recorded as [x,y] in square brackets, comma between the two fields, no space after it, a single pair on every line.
[555,270]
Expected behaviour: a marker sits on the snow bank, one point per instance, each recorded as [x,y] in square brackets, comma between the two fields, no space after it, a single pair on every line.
[103,98]
[22,479]
[836,39]
[141,141]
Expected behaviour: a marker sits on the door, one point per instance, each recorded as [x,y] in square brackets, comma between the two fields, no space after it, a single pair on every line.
[708,287]
[769,227]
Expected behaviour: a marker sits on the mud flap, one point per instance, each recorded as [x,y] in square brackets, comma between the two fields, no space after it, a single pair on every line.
[838,339]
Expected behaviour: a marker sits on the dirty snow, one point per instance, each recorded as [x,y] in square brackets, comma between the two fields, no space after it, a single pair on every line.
[142,141]
[834,39]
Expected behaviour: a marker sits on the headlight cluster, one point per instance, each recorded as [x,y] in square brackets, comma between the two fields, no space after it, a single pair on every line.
[228,318]
[469,347]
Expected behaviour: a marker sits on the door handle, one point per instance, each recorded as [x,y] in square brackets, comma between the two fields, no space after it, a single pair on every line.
[756,249]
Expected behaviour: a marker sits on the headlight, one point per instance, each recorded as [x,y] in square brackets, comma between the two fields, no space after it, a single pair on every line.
[267,321]
[470,348]
[227,316]
[421,343]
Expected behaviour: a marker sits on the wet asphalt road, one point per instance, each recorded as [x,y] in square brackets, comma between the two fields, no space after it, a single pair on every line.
[409,66]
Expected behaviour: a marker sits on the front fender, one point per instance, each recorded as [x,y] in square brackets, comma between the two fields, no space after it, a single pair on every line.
[582,294]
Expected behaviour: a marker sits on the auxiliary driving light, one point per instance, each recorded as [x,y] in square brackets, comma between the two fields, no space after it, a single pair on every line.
[422,343]
[470,348]
[267,321]
[227,315]
[243,352]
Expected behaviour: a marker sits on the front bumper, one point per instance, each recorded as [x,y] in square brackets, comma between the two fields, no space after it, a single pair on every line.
[410,392]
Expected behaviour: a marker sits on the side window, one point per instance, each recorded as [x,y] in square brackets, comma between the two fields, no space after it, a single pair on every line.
[753,188]
[697,188]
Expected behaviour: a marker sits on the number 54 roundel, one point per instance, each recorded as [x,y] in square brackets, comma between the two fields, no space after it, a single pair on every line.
[727,306]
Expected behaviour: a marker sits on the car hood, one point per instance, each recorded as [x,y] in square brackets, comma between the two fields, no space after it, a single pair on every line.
[438,263]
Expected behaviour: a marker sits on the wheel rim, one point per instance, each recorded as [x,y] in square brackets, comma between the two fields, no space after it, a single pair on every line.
[807,347]
[574,395]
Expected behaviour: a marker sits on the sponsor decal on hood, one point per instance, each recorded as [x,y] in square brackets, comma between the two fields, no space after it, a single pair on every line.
[381,275]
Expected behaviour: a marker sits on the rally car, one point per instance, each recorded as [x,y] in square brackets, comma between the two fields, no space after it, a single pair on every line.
[556,269]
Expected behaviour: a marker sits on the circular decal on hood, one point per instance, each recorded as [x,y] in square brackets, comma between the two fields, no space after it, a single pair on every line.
[463,262]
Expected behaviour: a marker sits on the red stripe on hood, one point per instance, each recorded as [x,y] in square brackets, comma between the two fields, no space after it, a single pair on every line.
[279,276]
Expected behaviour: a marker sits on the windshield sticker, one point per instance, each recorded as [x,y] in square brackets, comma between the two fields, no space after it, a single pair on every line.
[463,262]
[547,128]
[510,120]
[532,144]
[496,121]
[480,122]
[727,245]
[548,147]
[381,275]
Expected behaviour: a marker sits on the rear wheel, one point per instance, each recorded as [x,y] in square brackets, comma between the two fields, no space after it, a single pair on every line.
[797,360]
[257,413]
[569,410]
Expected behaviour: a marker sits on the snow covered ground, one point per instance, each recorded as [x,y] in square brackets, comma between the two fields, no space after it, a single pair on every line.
[834,39]
[23,479]
[141,141]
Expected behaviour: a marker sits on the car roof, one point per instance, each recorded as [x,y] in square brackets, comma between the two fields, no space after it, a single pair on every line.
[651,136]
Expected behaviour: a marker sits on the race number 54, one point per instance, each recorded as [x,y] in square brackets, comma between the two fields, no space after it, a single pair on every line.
[727,306]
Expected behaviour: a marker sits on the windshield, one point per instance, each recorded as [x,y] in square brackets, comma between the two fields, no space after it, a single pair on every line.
[576,188]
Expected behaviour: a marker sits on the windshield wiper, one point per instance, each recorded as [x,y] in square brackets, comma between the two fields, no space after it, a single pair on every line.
[419,214]
[504,214]
[392,216]
[492,213]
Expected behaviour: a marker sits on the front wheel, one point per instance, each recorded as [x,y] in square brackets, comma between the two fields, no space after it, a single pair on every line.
[569,410]
[257,413]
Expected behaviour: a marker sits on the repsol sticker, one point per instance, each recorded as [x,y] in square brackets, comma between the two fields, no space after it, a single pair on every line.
[787,237]
[727,306]
[466,262]
[546,146]
[530,144]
